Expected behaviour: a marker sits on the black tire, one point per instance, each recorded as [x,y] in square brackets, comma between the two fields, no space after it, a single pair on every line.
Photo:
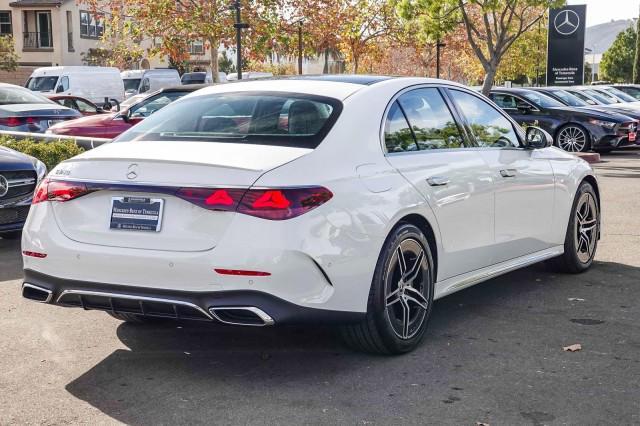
[576,130]
[13,235]
[382,332]
[130,318]
[579,235]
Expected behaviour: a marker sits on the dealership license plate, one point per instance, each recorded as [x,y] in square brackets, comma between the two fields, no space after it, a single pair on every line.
[136,213]
[632,137]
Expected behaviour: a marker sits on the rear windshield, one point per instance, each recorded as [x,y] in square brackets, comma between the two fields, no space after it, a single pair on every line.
[18,95]
[42,84]
[193,78]
[131,84]
[283,119]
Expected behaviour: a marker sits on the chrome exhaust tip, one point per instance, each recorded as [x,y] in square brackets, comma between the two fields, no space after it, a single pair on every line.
[241,315]
[35,293]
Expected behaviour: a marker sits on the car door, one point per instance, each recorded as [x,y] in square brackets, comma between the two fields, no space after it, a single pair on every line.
[524,180]
[426,144]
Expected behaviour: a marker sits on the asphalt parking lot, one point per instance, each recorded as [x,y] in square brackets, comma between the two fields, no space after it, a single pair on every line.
[493,353]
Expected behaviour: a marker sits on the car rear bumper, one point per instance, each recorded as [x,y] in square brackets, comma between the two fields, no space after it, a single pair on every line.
[235,307]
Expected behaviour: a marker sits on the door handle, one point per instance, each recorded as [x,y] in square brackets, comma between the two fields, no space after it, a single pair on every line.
[438,180]
[507,173]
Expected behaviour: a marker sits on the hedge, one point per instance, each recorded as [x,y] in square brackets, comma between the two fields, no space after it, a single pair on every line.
[50,153]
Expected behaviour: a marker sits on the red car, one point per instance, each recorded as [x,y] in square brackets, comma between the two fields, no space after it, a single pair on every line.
[112,125]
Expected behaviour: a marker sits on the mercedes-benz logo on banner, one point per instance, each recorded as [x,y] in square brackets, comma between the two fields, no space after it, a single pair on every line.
[566,22]
[4,186]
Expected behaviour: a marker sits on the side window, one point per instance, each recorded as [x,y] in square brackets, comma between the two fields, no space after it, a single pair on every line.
[145,109]
[85,107]
[490,128]
[504,101]
[146,85]
[63,86]
[430,119]
[397,134]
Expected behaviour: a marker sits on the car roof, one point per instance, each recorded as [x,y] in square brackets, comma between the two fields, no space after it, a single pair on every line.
[185,88]
[338,86]
[516,90]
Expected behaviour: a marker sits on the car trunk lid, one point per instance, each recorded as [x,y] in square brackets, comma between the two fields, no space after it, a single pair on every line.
[156,171]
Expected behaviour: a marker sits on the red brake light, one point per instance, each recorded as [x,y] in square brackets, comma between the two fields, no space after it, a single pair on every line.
[12,121]
[40,194]
[281,204]
[212,199]
[34,254]
[57,190]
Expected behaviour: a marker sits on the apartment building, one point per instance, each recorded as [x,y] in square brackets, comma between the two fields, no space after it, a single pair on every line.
[51,32]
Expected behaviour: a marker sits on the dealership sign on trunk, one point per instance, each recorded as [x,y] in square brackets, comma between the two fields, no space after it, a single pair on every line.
[565,64]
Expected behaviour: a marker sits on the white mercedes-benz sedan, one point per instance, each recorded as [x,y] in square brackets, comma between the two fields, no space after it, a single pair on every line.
[355,200]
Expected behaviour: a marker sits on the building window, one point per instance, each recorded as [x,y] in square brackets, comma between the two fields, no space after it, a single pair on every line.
[5,23]
[196,47]
[91,24]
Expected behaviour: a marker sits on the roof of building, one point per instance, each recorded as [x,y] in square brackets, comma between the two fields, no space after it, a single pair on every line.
[32,3]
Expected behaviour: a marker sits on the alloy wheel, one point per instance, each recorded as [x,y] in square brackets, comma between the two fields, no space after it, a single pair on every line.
[586,227]
[407,289]
[572,139]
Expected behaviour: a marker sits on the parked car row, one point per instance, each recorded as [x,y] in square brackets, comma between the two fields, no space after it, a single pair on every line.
[599,118]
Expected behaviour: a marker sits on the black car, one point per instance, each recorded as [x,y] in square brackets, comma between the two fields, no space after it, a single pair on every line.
[630,89]
[573,129]
[19,175]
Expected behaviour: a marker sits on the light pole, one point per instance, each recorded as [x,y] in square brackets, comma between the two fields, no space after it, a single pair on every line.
[239,26]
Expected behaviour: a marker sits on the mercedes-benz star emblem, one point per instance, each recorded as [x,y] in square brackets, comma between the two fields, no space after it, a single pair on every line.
[4,186]
[132,171]
[566,22]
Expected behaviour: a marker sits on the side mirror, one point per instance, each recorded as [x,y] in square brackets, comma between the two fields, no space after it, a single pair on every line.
[114,104]
[126,116]
[60,89]
[537,138]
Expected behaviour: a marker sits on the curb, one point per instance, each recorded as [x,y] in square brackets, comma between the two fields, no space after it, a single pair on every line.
[589,157]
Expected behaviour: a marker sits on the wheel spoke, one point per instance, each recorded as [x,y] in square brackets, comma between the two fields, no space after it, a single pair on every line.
[402,262]
[416,297]
[406,318]
[415,269]
[393,297]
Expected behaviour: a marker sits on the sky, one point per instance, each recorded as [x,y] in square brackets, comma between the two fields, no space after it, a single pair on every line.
[601,11]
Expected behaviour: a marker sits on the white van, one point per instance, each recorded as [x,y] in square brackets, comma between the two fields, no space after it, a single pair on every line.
[92,83]
[143,81]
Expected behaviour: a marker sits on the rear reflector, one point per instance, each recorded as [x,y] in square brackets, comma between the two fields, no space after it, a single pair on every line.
[34,254]
[240,272]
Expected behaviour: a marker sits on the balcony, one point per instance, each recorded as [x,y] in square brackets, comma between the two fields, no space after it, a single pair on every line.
[37,41]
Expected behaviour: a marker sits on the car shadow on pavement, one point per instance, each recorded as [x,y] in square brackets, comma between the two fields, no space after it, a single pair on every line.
[11,266]
[480,338]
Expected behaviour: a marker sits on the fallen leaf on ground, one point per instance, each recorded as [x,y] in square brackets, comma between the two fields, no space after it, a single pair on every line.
[482,424]
[572,348]
[575,299]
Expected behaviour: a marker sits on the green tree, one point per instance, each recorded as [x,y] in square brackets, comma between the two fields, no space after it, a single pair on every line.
[491,26]
[617,62]
[8,55]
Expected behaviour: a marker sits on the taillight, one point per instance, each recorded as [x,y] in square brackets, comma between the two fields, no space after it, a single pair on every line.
[272,203]
[212,199]
[14,121]
[57,190]
[281,204]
